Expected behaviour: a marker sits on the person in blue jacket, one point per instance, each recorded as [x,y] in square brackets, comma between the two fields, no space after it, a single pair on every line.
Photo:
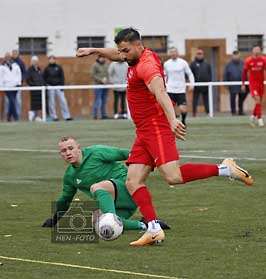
[233,72]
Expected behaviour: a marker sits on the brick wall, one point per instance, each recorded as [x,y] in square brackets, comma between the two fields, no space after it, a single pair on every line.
[77,72]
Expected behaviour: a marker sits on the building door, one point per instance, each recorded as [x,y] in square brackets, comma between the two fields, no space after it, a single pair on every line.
[211,56]
[214,53]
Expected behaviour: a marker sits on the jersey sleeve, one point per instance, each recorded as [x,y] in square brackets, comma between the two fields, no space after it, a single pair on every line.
[149,69]
[67,195]
[110,154]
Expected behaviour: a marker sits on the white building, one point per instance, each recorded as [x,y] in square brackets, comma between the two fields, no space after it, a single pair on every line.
[55,25]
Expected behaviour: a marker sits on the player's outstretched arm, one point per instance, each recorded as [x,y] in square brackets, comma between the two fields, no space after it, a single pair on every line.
[61,207]
[157,87]
[110,153]
[62,204]
[110,53]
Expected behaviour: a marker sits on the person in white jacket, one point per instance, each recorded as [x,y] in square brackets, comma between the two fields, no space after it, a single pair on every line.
[118,75]
[176,69]
[10,76]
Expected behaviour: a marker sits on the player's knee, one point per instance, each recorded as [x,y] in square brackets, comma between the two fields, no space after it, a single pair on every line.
[183,109]
[95,187]
[129,183]
[173,179]
[132,184]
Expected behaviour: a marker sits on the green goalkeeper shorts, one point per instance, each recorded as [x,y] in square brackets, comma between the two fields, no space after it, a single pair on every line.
[124,204]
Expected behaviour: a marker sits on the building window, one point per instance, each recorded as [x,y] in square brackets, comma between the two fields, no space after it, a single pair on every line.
[95,41]
[32,46]
[246,42]
[156,43]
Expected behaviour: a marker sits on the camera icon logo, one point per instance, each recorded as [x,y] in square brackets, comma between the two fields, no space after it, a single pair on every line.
[75,220]
[76,224]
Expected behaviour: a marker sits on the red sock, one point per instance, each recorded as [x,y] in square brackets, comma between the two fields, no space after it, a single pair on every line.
[259,113]
[143,199]
[192,172]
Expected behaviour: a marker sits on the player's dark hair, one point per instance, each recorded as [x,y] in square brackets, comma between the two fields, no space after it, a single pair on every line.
[235,52]
[172,47]
[127,35]
[62,139]
[256,46]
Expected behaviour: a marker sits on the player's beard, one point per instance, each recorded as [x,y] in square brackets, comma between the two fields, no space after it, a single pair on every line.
[132,62]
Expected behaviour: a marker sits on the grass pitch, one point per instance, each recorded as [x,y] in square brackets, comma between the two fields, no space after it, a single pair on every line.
[225,240]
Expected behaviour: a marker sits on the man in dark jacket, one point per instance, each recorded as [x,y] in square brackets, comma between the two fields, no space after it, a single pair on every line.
[18,60]
[54,75]
[233,72]
[34,78]
[100,77]
[202,73]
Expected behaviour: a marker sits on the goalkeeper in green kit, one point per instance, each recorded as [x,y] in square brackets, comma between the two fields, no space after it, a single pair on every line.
[97,172]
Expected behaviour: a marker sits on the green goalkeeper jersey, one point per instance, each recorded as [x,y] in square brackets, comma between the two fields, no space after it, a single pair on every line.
[98,163]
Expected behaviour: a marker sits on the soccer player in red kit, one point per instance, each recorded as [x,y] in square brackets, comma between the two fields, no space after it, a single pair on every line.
[255,66]
[156,128]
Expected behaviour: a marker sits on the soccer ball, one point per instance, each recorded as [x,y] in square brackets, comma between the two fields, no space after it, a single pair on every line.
[109,226]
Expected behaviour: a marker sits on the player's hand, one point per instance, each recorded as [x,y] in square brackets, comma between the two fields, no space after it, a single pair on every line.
[190,89]
[179,129]
[48,223]
[104,80]
[84,52]
[243,88]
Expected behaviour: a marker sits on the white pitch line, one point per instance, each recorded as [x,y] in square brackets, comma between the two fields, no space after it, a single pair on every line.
[27,179]
[181,155]
[32,178]
[27,150]
[18,181]
[90,268]
[222,157]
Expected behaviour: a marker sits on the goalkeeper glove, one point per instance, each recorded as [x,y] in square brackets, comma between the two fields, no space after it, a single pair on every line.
[50,222]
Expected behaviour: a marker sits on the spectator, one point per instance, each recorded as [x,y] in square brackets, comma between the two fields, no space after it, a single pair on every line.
[118,75]
[100,76]
[34,77]
[176,70]
[255,67]
[17,59]
[10,76]
[202,73]
[54,75]
[233,72]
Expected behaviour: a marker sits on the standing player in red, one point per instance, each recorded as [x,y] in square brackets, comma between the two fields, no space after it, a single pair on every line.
[156,128]
[255,66]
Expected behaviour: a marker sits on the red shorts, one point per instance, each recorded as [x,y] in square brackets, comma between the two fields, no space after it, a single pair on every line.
[154,147]
[256,90]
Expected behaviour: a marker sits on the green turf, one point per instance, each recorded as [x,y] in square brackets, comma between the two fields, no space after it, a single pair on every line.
[226,241]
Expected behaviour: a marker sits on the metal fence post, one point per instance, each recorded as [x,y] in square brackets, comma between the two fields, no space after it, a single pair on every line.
[43,104]
[210,96]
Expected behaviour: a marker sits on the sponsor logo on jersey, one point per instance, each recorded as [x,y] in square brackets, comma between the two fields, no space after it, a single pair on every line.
[78,181]
[130,74]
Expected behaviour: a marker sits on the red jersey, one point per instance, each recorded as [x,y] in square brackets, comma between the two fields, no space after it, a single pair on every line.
[143,105]
[255,68]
